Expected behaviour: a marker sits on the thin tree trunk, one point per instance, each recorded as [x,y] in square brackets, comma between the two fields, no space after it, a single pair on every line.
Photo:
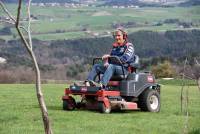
[28,46]
[39,93]
[40,97]
[47,125]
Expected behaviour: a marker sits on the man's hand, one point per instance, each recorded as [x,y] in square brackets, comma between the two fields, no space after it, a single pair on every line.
[105,56]
[105,60]
[106,64]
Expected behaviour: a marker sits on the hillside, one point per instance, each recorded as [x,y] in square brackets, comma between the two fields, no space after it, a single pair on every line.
[43,1]
[173,44]
[65,42]
[72,58]
[120,2]
[50,22]
[190,3]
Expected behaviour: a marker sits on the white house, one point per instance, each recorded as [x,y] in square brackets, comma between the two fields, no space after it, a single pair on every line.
[2,60]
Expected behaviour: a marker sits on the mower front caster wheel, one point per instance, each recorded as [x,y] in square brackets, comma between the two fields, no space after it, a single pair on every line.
[103,108]
[69,104]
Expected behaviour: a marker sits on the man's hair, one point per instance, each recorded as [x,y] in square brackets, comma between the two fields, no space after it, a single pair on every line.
[125,36]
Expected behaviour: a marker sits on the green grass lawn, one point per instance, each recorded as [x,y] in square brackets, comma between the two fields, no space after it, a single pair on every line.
[20,114]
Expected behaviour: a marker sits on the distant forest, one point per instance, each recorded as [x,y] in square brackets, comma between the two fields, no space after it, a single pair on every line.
[72,58]
[148,44]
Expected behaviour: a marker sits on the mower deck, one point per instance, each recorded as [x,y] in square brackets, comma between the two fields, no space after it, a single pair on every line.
[96,98]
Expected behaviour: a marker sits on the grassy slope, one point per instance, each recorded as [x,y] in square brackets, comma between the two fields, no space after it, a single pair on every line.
[74,19]
[20,114]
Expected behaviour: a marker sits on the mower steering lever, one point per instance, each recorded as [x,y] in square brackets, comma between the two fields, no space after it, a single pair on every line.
[111,60]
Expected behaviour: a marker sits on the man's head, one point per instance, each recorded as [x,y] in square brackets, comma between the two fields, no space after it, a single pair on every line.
[120,36]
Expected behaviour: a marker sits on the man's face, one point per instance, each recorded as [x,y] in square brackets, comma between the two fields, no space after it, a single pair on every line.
[119,37]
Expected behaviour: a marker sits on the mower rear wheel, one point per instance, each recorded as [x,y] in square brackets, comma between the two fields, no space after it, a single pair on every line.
[149,100]
[103,108]
[69,104]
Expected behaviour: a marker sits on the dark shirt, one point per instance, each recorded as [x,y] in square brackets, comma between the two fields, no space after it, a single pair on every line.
[125,52]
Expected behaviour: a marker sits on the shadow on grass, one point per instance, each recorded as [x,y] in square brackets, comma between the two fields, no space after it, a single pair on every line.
[195,131]
[51,107]
[93,110]
[59,108]
[54,107]
[124,111]
[112,112]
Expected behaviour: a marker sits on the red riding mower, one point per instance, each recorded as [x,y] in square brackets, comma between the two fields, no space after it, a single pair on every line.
[124,92]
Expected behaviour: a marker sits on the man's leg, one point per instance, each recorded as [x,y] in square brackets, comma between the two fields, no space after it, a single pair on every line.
[111,69]
[96,69]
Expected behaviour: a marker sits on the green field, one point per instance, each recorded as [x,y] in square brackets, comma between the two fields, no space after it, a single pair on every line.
[20,114]
[71,22]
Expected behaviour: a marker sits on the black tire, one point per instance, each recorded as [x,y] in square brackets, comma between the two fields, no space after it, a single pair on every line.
[149,100]
[69,104]
[103,108]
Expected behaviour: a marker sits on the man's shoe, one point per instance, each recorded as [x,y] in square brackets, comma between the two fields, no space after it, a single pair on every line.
[93,83]
[86,83]
[78,83]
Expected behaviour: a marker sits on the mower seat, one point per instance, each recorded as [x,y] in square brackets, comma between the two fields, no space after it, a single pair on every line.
[118,77]
[134,65]
[131,69]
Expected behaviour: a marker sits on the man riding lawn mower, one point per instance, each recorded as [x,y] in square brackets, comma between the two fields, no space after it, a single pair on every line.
[118,86]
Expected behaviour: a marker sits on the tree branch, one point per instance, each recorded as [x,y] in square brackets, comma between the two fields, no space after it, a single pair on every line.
[183,84]
[185,99]
[10,22]
[29,24]
[198,80]
[15,22]
[7,12]
[18,13]
[18,28]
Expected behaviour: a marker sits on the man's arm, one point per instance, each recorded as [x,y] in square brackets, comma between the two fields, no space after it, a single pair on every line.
[129,52]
